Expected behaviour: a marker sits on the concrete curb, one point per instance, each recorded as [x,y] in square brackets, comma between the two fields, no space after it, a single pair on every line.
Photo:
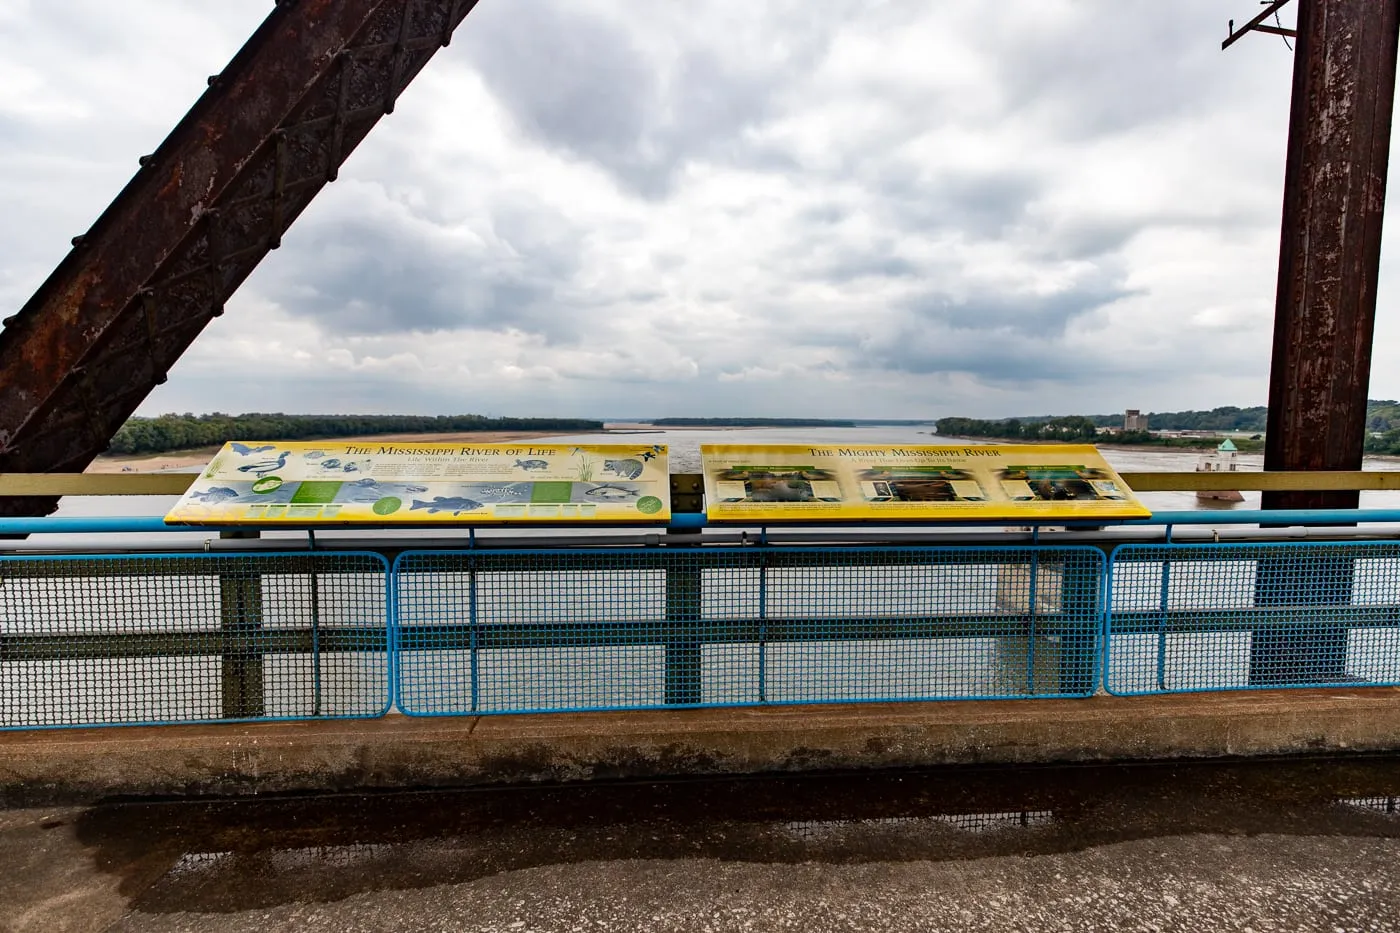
[84,765]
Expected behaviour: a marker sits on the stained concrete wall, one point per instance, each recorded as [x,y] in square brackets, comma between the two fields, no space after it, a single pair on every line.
[396,752]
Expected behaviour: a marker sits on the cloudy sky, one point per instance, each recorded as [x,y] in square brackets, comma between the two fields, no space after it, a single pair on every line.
[845,208]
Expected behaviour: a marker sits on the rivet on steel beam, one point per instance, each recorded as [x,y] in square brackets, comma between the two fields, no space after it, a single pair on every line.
[9,320]
[217,312]
[161,379]
[212,80]
[144,160]
[78,240]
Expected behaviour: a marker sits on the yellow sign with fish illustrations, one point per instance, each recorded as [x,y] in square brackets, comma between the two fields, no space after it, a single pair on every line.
[268,483]
[893,482]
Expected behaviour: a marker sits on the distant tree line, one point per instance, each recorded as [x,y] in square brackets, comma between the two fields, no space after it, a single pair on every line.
[1067,428]
[1071,428]
[1225,418]
[180,432]
[750,423]
[1383,426]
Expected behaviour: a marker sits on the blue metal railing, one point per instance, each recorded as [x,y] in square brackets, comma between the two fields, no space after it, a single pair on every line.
[1238,616]
[145,524]
[137,639]
[247,634]
[491,631]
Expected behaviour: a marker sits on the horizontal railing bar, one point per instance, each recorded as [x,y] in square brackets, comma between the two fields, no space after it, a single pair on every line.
[655,560]
[175,484]
[862,538]
[1248,618]
[508,635]
[1237,551]
[457,636]
[90,646]
[1281,517]
[391,545]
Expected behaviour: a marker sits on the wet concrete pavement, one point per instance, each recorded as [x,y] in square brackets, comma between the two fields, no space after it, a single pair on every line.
[1264,845]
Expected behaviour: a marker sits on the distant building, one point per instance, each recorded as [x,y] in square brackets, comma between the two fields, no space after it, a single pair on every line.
[1134,420]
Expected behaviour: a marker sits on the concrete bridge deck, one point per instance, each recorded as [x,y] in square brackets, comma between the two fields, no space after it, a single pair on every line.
[78,765]
[1303,845]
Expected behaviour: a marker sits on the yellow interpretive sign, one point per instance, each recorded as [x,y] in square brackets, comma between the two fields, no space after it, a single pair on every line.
[821,482]
[266,483]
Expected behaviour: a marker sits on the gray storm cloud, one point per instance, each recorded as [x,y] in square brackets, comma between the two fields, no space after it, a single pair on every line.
[596,207]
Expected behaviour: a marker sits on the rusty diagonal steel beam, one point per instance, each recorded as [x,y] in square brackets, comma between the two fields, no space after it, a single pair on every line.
[203,209]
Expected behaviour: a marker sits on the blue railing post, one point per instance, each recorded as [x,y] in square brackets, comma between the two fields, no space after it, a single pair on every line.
[474,621]
[683,582]
[240,617]
[763,627]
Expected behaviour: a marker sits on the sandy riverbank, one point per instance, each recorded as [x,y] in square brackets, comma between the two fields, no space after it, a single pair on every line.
[194,459]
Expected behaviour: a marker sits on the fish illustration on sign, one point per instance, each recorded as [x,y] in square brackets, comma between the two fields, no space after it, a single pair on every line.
[331,464]
[350,468]
[627,469]
[454,504]
[532,464]
[314,454]
[609,492]
[215,495]
[263,467]
[243,450]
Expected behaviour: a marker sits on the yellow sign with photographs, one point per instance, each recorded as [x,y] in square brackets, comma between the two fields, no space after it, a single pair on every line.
[874,482]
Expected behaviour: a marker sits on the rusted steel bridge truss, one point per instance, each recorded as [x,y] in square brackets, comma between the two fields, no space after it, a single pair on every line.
[201,212]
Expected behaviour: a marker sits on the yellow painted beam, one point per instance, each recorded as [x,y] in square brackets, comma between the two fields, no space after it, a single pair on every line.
[1300,481]
[174,484]
[95,484]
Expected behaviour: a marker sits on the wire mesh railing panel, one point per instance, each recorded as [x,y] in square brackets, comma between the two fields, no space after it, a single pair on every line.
[179,638]
[1193,617]
[504,631]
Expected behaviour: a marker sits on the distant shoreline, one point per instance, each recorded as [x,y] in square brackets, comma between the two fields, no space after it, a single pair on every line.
[1205,443]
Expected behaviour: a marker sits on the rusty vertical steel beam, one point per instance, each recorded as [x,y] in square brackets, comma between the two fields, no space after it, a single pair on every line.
[1333,203]
[200,213]
[1329,262]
